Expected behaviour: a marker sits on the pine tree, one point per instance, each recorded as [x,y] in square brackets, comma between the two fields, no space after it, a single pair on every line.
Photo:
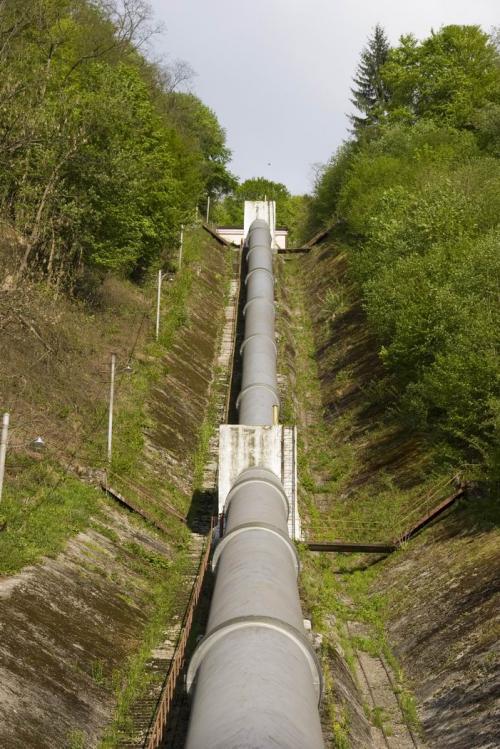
[370,93]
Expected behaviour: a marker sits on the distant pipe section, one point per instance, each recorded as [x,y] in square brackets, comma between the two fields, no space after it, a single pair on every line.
[259,388]
[254,677]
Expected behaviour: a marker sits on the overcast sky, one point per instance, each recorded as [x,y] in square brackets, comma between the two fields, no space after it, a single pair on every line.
[277,72]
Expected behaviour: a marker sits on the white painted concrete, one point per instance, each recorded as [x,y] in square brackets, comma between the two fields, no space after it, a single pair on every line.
[231,234]
[263,209]
[235,236]
[272,447]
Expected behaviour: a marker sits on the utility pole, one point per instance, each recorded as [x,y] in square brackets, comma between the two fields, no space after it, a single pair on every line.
[208,208]
[3,449]
[111,402]
[180,248]
[158,301]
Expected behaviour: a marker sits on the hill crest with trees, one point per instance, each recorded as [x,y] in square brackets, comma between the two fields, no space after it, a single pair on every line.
[415,197]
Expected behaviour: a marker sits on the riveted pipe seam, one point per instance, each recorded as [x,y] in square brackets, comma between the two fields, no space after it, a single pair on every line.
[247,527]
[251,621]
[234,489]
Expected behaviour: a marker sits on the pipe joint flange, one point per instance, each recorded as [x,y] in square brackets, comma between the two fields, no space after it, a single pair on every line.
[254,386]
[279,490]
[246,528]
[257,622]
[261,299]
[258,335]
[258,245]
[259,270]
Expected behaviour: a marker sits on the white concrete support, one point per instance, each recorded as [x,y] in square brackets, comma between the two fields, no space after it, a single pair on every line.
[260,209]
[272,447]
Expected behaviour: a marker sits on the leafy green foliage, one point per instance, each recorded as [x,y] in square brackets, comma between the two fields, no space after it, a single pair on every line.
[420,200]
[447,77]
[100,159]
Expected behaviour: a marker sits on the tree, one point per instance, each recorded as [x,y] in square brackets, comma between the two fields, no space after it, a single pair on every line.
[370,94]
[448,77]
[101,160]
[200,126]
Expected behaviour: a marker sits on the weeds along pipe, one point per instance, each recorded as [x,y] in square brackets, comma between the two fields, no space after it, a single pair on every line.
[254,677]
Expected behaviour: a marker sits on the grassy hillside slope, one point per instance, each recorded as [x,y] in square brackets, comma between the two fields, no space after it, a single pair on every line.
[429,612]
[88,589]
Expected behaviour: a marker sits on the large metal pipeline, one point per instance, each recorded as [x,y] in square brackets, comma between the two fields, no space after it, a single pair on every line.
[254,677]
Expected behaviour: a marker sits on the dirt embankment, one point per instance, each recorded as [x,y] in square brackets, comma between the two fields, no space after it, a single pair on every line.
[78,627]
[439,597]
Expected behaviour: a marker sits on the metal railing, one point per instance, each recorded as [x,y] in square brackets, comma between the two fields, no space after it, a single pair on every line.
[159,722]
[375,532]
[431,504]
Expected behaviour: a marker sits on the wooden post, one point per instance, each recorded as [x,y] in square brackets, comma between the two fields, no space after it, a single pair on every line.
[3,449]
[158,300]
[181,246]
[208,208]
[111,403]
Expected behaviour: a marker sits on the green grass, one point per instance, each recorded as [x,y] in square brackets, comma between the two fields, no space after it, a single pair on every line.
[327,581]
[330,458]
[131,403]
[133,679]
[76,740]
[42,507]
[338,715]
[333,448]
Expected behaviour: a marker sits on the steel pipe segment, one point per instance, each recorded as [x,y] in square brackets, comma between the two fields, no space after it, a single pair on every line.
[264,687]
[255,405]
[248,490]
[260,283]
[245,342]
[255,679]
[259,233]
[259,352]
[253,526]
[259,257]
[259,388]
[257,323]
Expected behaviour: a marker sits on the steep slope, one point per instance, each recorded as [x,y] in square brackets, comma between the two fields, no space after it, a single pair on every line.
[429,613]
[81,622]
